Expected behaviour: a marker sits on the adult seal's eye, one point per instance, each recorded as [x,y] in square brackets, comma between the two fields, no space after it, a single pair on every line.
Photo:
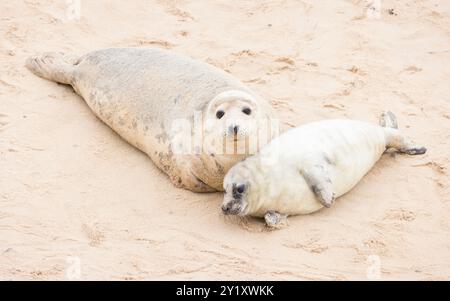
[247,111]
[220,114]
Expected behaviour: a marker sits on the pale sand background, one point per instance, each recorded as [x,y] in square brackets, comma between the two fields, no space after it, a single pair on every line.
[70,187]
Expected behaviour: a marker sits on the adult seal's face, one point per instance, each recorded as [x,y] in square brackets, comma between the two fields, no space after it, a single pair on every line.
[231,123]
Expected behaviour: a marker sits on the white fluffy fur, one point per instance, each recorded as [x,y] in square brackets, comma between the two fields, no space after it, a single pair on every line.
[275,176]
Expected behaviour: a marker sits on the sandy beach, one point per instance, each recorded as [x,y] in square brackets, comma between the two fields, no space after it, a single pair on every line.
[79,203]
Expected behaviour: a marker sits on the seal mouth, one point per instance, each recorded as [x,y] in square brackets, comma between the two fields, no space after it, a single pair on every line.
[243,210]
[233,208]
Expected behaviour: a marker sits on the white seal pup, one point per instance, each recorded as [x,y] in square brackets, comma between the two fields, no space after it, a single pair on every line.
[306,168]
[153,98]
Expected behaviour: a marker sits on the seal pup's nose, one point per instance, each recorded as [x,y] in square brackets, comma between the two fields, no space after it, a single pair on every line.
[226,208]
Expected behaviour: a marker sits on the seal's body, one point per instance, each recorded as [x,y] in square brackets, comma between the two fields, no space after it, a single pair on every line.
[306,168]
[144,94]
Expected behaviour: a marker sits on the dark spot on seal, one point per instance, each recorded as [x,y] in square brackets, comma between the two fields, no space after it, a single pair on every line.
[321,167]
[161,137]
[315,189]
[329,160]
[177,99]
[201,184]
[179,180]
[220,168]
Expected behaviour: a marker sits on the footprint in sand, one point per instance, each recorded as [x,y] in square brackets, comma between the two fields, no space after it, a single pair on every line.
[376,246]
[94,236]
[157,42]
[4,120]
[171,8]
[413,69]
[243,53]
[286,64]
[400,215]
[356,70]
[286,60]
[311,246]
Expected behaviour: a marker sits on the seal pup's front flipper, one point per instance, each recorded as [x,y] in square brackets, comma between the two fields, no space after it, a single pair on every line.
[275,220]
[318,179]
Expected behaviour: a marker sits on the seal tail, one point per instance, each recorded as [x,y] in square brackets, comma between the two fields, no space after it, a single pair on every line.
[53,66]
[394,139]
[388,120]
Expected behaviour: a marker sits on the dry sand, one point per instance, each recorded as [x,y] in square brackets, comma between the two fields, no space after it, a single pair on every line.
[76,200]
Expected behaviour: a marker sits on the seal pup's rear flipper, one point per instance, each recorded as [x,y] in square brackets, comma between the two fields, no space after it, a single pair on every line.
[394,139]
[388,120]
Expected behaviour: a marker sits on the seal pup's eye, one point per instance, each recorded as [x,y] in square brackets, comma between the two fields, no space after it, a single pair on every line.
[220,114]
[240,188]
[247,111]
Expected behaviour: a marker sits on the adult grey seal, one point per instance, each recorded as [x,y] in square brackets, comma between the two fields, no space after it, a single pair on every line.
[192,119]
[306,168]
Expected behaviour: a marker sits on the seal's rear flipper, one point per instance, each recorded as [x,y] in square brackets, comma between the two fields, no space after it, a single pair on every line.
[414,150]
[53,66]
[388,120]
[394,139]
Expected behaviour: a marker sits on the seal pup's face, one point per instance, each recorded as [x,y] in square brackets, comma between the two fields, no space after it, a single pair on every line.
[231,119]
[237,186]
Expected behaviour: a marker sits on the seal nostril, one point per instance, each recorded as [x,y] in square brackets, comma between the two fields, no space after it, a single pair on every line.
[236,129]
[226,208]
